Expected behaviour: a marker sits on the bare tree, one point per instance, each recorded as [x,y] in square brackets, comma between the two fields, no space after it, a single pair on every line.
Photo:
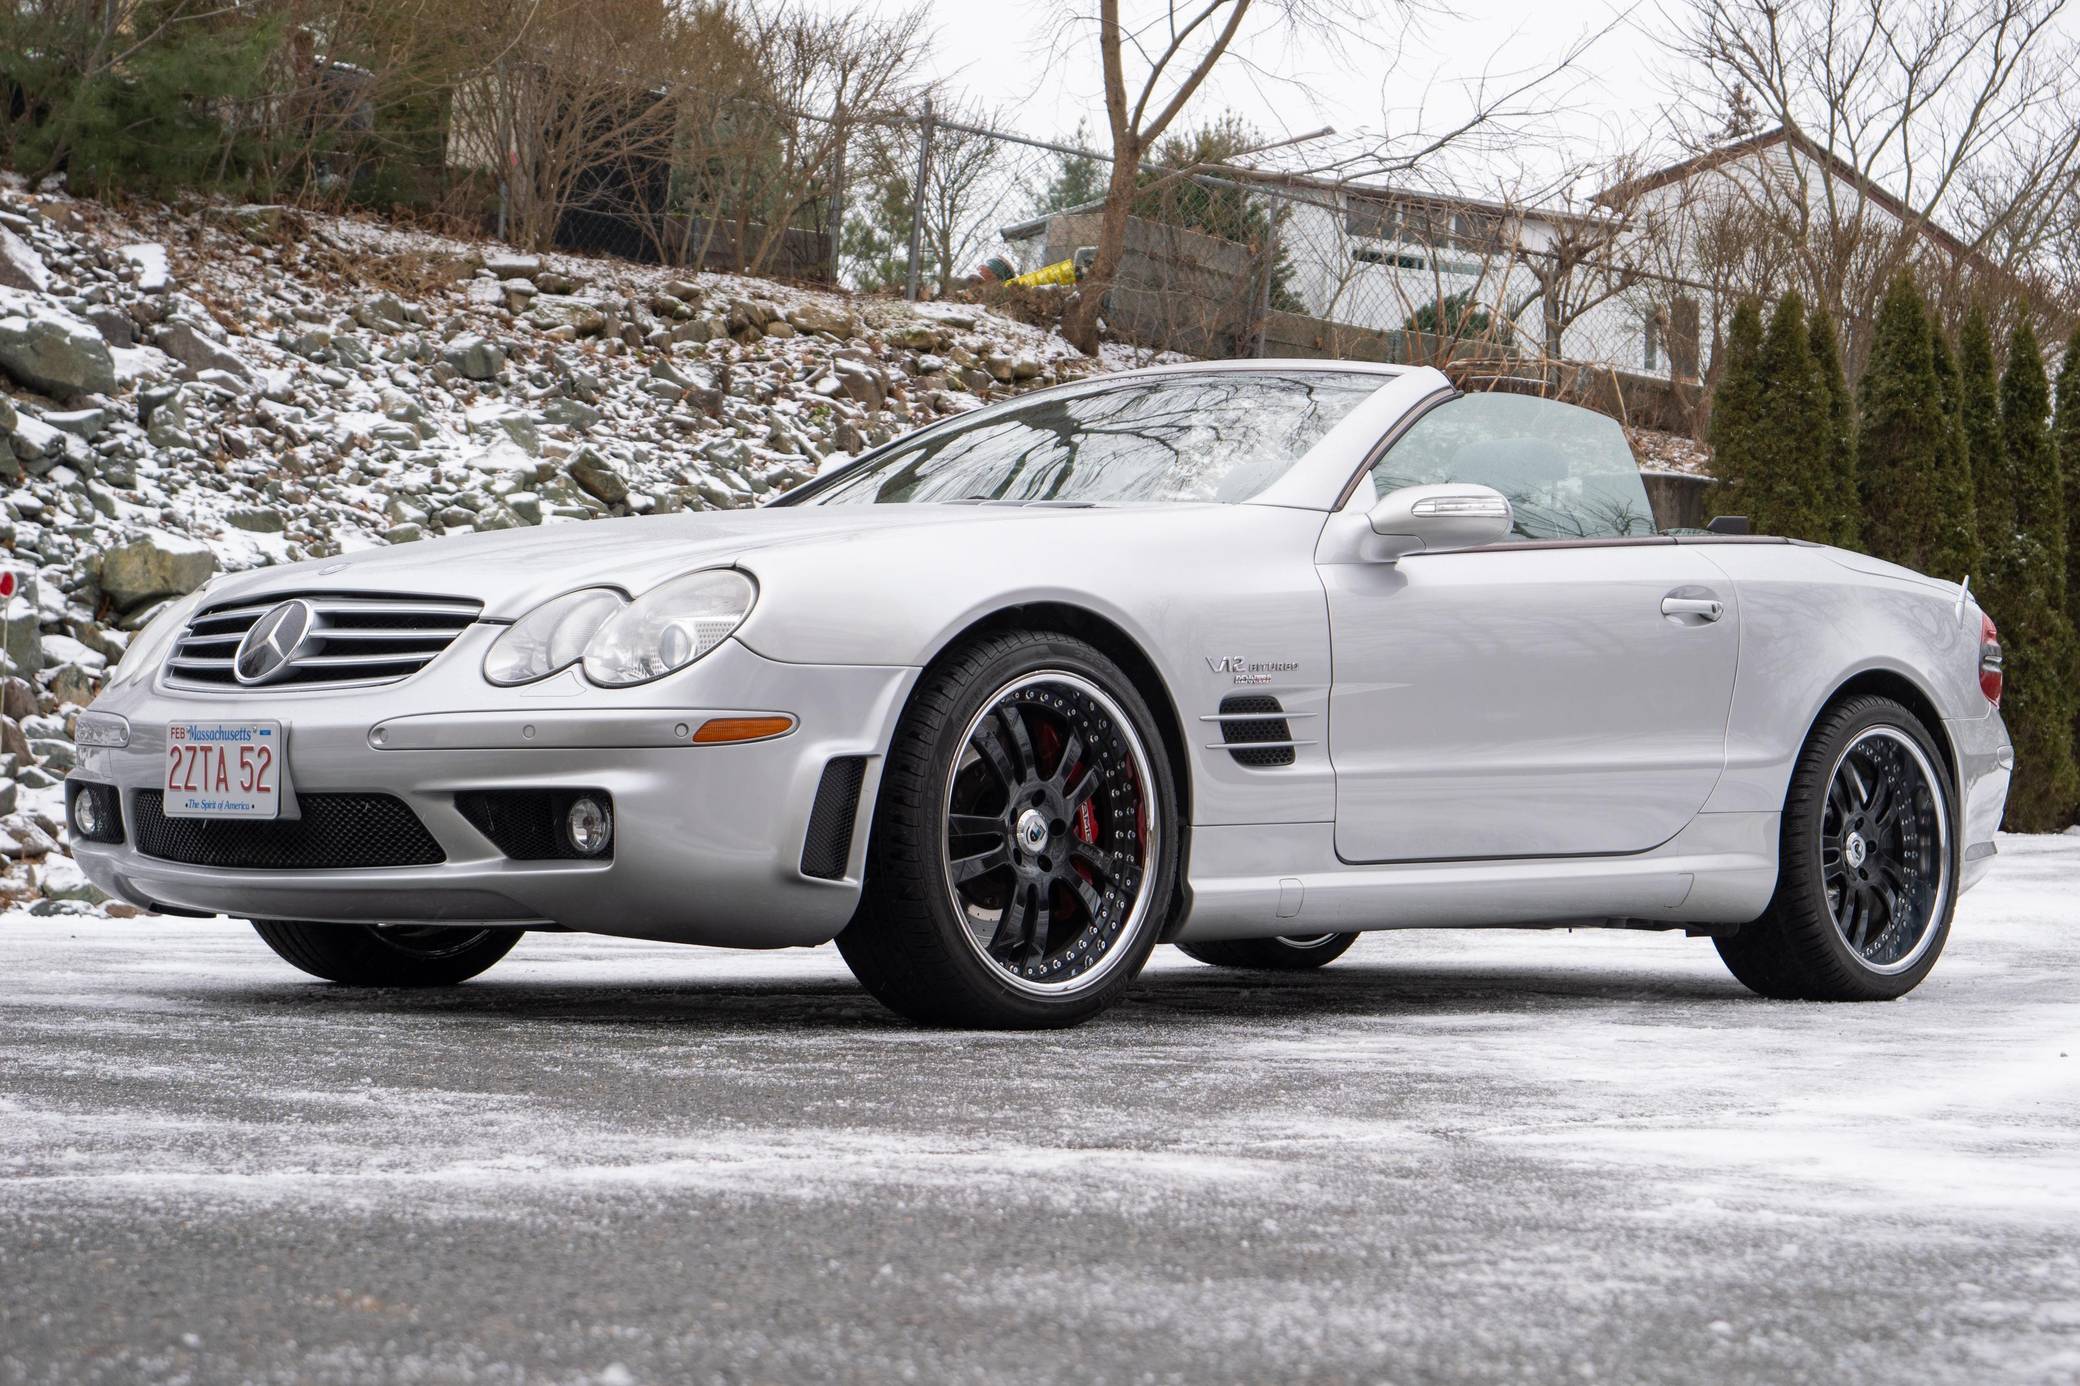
[1943,135]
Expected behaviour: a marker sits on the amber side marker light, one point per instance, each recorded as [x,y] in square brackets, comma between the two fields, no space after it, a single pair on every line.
[718,730]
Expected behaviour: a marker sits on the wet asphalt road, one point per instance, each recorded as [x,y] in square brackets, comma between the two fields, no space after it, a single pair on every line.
[1500,1157]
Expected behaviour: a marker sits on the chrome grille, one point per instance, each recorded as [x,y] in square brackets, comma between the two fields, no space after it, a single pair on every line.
[355,640]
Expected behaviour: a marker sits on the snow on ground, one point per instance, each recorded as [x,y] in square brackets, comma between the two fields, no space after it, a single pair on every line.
[1449,1157]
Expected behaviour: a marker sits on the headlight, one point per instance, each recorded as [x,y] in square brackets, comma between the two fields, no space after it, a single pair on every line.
[550,638]
[148,647]
[669,627]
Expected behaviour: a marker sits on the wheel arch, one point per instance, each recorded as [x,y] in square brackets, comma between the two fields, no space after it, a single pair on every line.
[1902,689]
[1123,649]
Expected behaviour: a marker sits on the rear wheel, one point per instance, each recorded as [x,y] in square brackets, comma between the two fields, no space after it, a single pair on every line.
[1289,953]
[1024,844]
[1867,864]
[387,955]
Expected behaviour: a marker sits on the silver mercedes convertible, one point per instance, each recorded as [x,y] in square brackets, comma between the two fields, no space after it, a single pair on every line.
[1247,658]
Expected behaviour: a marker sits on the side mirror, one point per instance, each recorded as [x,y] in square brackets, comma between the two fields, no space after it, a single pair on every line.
[1439,518]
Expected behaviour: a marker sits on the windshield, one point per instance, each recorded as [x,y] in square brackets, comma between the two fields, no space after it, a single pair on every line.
[1221,436]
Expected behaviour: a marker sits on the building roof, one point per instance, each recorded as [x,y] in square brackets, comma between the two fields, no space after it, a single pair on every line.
[1791,137]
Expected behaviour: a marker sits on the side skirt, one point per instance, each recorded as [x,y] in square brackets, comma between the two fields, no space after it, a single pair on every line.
[1278,879]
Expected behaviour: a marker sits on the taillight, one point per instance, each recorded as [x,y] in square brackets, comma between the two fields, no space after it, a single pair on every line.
[1989,660]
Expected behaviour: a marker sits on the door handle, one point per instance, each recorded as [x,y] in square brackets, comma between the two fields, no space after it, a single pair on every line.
[1705,608]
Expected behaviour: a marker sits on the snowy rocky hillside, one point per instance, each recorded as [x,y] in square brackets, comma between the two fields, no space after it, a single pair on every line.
[183,393]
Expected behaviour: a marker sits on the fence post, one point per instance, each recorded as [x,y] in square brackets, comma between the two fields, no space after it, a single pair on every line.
[1270,269]
[924,163]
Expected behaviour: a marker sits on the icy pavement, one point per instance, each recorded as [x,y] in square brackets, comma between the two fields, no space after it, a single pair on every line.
[1450,1157]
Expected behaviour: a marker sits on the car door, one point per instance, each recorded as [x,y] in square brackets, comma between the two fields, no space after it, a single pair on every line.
[1562,694]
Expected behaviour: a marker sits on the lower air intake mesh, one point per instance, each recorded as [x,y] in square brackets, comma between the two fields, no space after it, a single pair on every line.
[829,844]
[336,831]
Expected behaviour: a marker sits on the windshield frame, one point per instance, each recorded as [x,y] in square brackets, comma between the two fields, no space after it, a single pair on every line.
[1098,383]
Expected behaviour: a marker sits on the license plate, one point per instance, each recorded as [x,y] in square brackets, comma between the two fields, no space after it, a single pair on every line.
[224,770]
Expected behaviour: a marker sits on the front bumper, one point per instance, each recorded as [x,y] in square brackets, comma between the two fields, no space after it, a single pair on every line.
[708,838]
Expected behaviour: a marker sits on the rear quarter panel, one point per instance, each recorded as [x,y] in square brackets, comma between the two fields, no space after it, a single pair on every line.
[1812,618]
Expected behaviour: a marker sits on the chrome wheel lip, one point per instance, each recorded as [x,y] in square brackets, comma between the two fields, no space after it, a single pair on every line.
[1130,927]
[1939,792]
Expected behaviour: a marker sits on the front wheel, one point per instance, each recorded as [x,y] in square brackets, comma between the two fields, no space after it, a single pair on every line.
[1024,847]
[387,955]
[1290,953]
[1867,865]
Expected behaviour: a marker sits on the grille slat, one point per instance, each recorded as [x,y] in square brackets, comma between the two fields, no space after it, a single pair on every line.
[337,831]
[354,641]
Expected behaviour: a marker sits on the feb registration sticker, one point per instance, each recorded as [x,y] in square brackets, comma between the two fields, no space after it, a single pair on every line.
[224,770]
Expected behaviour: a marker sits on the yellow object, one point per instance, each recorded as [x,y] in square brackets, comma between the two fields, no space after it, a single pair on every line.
[1060,272]
[717,730]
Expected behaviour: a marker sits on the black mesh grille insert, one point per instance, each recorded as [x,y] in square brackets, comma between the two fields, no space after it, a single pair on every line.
[829,844]
[336,831]
[1241,734]
[527,824]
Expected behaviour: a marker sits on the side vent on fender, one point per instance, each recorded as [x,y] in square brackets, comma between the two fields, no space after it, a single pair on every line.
[828,845]
[1256,730]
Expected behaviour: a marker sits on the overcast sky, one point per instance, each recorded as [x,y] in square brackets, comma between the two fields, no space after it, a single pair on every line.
[1017,61]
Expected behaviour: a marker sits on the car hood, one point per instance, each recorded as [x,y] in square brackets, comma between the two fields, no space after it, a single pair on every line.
[512,571]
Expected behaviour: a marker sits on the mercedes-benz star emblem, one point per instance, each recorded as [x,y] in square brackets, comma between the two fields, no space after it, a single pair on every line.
[272,642]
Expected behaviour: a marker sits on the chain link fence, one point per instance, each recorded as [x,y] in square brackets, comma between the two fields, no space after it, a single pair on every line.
[927,206]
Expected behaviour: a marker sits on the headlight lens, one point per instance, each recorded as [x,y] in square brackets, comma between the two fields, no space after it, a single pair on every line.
[669,627]
[550,638]
[148,647]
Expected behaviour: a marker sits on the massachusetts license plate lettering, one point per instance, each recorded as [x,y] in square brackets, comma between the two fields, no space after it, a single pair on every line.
[223,770]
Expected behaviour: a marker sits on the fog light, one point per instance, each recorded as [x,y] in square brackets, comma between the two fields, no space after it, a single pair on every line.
[87,818]
[588,827]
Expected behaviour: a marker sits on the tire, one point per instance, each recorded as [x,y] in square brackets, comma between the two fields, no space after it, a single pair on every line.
[1017,873]
[1296,953]
[1843,862]
[375,955]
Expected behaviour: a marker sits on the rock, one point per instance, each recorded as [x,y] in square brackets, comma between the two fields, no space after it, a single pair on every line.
[383,313]
[116,327]
[914,336]
[50,350]
[21,628]
[72,683]
[17,698]
[570,413]
[81,423]
[256,519]
[555,282]
[862,382]
[53,754]
[685,290]
[493,421]
[20,266]
[8,416]
[780,329]
[155,564]
[475,357]
[550,311]
[598,476]
[404,534]
[189,345]
[824,317]
[149,261]
[514,266]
